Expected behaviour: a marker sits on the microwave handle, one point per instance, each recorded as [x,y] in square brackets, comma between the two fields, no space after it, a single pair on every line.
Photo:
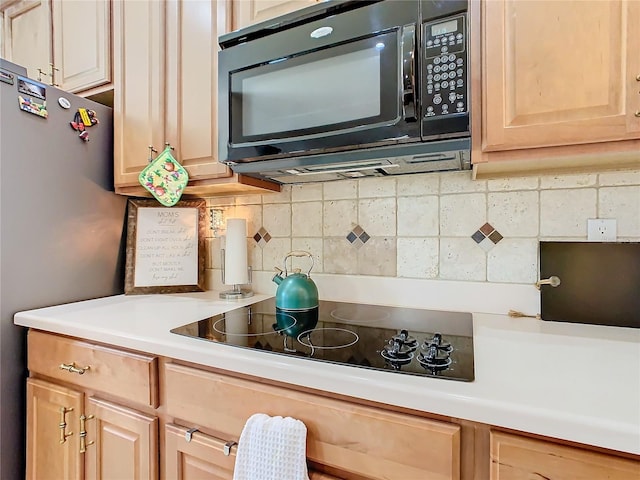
[408,73]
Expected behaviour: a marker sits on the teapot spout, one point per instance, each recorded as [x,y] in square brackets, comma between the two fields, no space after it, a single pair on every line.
[277,278]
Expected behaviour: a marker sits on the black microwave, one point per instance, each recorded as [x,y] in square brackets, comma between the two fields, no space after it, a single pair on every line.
[347,89]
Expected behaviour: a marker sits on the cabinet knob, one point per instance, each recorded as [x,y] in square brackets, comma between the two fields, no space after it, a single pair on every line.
[637,113]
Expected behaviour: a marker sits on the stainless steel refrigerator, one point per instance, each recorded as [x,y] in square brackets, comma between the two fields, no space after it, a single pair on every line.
[61,226]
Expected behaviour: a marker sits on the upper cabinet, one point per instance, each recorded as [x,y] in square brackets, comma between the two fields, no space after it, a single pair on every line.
[27,37]
[165,92]
[61,43]
[139,86]
[248,12]
[560,84]
[82,44]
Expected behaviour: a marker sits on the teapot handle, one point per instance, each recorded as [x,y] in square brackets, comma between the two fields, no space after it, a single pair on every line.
[298,253]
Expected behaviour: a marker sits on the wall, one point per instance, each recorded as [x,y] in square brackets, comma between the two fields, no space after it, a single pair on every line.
[430,226]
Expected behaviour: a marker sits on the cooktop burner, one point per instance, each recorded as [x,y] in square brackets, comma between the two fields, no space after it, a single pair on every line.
[400,340]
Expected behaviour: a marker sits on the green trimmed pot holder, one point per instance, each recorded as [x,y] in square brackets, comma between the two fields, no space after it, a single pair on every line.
[164,178]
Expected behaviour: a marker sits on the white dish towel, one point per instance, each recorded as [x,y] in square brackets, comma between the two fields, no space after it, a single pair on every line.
[272,448]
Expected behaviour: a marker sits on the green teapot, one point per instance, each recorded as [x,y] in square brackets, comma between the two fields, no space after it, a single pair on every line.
[296,291]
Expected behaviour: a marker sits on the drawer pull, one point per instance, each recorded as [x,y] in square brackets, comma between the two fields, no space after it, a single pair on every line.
[189,433]
[71,368]
[227,448]
[83,433]
[63,424]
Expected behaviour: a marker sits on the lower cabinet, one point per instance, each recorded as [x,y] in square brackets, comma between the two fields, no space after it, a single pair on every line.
[343,439]
[515,457]
[98,412]
[53,441]
[75,433]
[120,442]
[72,436]
[194,455]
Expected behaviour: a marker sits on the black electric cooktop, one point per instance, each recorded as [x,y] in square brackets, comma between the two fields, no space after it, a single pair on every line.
[393,339]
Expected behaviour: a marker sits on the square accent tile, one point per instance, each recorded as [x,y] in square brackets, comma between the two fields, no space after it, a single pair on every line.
[495,236]
[486,237]
[478,236]
[486,229]
[358,237]
[262,237]
[486,244]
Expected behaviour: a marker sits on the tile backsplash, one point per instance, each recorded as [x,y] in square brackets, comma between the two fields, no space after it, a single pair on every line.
[430,226]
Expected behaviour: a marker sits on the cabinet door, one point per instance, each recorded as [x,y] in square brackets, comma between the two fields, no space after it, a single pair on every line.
[27,36]
[82,43]
[125,442]
[192,84]
[202,458]
[138,110]
[247,12]
[53,445]
[551,79]
[517,458]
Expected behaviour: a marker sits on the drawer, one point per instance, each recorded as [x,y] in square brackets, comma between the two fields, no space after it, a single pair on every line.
[343,436]
[128,375]
[514,457]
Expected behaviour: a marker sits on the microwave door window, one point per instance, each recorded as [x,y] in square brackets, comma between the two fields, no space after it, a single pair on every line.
[333,90]
[327,92]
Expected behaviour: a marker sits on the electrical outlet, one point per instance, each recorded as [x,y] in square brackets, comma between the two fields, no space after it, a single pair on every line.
[601,230]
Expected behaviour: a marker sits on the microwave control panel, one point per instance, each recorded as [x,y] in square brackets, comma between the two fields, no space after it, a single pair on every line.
[444,82]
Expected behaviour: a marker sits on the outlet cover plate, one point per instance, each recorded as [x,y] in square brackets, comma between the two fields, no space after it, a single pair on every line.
[601,230]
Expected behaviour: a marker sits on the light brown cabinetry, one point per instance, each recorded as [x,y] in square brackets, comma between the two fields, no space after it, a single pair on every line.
[72,433]
[202,457]
[27,35]
[62,43]
[53,447]
[514,457]
[82,45]
[125,442]
[343,439]
[248,12]
[111,422]
[165,61]
[558,92]
[139,86]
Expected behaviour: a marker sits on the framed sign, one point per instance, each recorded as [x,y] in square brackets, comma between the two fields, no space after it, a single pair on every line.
[165,247]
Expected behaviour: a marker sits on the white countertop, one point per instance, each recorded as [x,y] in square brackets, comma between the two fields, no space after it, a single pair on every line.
[575,382]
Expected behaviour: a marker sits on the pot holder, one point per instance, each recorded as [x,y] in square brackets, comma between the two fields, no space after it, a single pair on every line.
[164,178]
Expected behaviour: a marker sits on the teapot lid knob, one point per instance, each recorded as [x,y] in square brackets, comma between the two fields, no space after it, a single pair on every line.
[296,270]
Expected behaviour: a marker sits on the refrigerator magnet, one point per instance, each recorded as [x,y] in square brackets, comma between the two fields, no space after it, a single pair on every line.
[64,103]
[31,88]
[82,119]
[6,77]
[27,104]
